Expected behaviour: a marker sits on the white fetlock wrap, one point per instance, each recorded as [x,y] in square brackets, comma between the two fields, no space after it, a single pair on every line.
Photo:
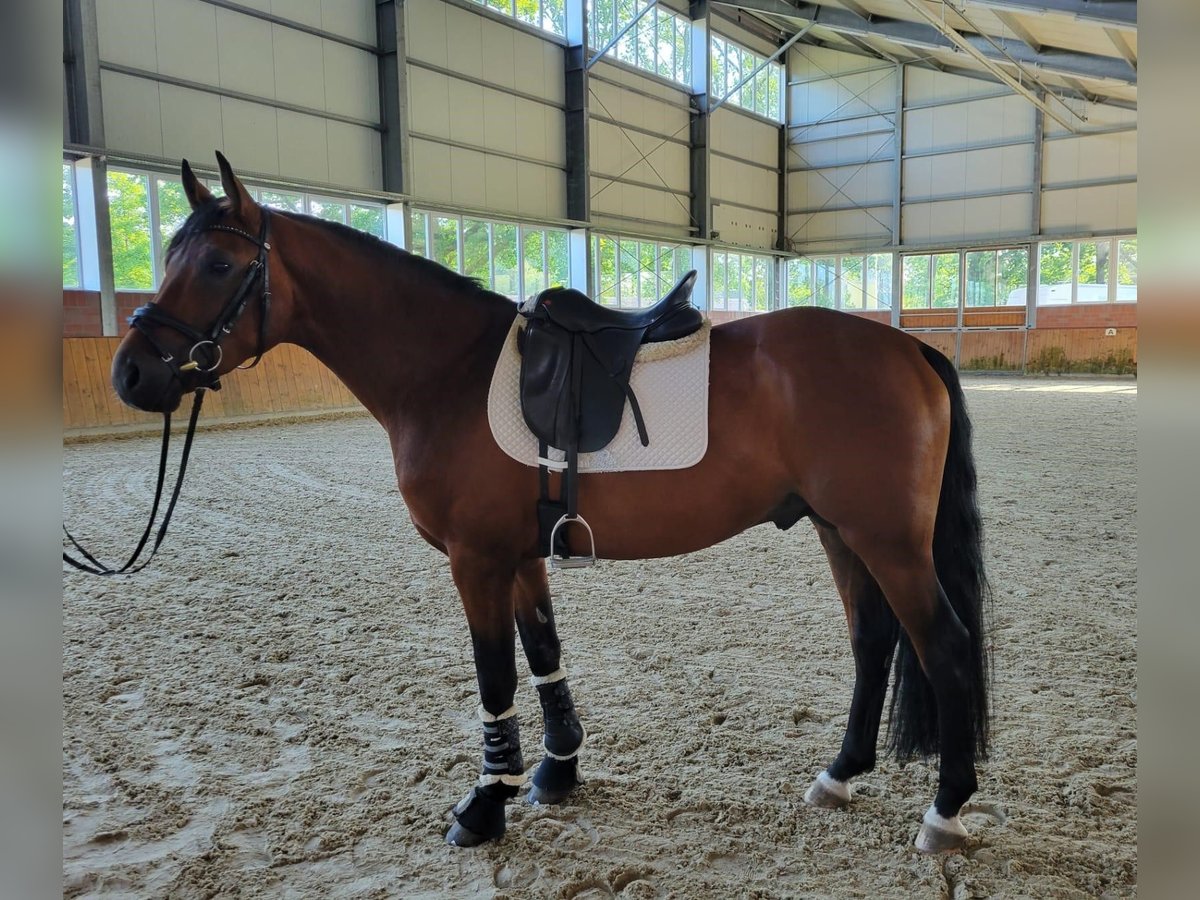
[514,780]
[939,834]
[828,785]
[557,675]
[485,716]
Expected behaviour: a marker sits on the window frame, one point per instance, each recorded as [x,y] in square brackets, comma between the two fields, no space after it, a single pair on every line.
[70,180]
[428,214]
[156,178]
[720,92]
[510,16]
[681,75]
[618,301]
[1112,283]
[838,268]
[743,260]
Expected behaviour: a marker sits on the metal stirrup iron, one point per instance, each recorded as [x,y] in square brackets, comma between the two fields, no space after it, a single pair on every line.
[572,562]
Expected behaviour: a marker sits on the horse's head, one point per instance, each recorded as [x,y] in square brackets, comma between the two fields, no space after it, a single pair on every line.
[211,312]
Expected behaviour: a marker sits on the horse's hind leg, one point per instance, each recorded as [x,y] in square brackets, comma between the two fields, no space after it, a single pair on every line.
[934,709]
[873,633]
[487,589]
[563,734]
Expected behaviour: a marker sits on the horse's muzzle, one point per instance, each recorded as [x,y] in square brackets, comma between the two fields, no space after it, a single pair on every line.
[143,380]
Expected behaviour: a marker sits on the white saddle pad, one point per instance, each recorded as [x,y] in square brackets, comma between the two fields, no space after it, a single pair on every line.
[670,381]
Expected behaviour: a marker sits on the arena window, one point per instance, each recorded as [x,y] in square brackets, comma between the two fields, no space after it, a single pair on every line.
[548,15]
[632,273]
[70,232]
[1096,270]
[930,281]
[852,282]
[997,277]
[742,282]
[515,260]
[660,42]
[146,209]
[731,63]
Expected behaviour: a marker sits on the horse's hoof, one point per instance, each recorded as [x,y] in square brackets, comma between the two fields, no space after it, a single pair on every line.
[827,792]
[941,835]
[458,836]
[553,781]
[478,818]
[548,796]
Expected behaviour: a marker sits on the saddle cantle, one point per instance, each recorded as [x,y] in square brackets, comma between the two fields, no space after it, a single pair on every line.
[576,360]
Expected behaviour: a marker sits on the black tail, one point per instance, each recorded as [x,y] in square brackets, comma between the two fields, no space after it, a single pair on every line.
[958,558]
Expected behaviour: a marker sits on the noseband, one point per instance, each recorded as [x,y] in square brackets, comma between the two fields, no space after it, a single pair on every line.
[206,344]
[205,355]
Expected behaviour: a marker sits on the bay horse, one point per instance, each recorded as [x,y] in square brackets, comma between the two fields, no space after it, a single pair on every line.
[812,414]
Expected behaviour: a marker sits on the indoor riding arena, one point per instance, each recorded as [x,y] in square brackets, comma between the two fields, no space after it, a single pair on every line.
[308,690]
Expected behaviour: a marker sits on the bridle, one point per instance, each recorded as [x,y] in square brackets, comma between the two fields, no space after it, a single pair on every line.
[208,342]
[204,358]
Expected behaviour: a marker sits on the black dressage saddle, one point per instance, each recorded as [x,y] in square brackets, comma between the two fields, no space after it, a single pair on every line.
[576,361]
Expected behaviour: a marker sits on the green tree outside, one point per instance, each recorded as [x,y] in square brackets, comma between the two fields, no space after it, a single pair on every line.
[129,215]
[70,236]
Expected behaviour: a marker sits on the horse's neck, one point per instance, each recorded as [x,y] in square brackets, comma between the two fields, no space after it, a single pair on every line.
[410,349]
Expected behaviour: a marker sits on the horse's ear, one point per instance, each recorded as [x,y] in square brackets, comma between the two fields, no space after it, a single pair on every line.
[240,201]
[197,193]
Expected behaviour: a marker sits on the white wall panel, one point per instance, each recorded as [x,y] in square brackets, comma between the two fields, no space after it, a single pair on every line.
[303,146]
[131,108]
[243,65]
[251,140]
[226,50]
[426,24]
[355,155]
[190,122]
[745,227]
[121,27]
[351,82]
[185,35]
[862,227]
[299,79]
[740,183]
[745,136]
[1108,208]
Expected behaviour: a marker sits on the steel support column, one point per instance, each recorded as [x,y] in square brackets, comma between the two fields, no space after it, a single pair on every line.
[577,149]
[85,114]
[701,180]
[898,197]
[1035,219]
[391,34]
[95,237]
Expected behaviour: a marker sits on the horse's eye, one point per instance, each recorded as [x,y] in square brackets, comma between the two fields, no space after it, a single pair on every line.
[218,268]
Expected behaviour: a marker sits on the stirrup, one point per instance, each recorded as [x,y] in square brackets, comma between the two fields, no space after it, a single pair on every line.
[572,562]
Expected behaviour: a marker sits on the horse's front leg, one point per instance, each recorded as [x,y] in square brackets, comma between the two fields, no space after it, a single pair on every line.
[487,589]
[562,732]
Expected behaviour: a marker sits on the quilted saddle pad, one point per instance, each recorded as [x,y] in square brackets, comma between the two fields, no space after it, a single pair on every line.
[670,381]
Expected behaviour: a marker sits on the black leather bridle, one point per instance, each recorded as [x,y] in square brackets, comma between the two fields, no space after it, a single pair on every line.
[204,358]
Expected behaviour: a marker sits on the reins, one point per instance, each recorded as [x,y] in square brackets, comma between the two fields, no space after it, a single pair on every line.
[143,319]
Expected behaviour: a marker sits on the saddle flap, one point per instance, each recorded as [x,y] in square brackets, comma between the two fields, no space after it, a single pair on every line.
[550,407]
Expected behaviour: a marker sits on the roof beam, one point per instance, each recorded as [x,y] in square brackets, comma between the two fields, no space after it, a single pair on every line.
[1114,13]
[925,62]
[921,34]
[856,8]
[1122,45]
[991,65]
[1013,24]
